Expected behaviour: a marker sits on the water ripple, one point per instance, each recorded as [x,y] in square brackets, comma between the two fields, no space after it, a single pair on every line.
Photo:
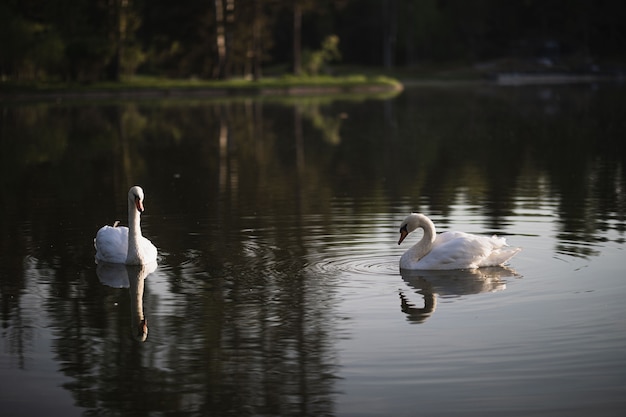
[359,263]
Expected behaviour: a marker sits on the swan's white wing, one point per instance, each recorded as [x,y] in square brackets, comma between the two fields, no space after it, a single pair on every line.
[112,244]
[457,250]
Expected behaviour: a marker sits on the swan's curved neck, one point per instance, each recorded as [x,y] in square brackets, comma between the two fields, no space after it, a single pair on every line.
[430,233]
[133,255]
[423,247]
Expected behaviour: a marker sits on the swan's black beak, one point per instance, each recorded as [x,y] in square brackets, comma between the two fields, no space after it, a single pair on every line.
[142,330]
[403,234]
[139,205]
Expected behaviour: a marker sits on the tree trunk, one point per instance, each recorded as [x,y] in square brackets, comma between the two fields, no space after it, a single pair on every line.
[390,30]
[410,35]
[230,25]
[257,50]
[297,38]
[220,39]
[118,35]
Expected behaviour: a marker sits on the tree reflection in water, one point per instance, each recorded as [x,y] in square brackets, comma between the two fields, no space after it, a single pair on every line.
[237,325]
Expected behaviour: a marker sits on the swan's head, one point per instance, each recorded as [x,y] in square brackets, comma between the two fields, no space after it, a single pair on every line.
[135,196]
[410,223]
[142,331]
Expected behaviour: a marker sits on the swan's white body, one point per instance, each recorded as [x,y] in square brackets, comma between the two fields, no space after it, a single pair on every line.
[451,250]
[126,245]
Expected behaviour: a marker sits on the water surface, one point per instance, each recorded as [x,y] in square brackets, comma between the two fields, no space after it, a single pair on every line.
[278,290]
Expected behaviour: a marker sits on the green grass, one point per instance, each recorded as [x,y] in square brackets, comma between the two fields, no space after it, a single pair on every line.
[286,84]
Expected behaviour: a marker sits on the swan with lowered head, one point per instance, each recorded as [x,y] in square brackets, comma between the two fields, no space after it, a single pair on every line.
[126,245]
[451,250]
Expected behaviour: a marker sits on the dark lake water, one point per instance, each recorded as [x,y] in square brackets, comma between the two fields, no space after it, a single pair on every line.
[278,292]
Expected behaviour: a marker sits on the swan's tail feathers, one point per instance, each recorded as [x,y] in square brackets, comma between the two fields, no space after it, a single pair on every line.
[501,253]
[501,256]
[500,240]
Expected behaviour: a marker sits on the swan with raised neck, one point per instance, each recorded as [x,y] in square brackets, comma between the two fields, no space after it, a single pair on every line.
[134,255]
[126,245]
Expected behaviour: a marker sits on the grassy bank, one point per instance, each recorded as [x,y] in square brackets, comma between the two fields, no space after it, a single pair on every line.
[153,86]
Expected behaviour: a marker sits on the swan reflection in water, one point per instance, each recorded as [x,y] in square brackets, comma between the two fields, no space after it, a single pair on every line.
[451,283]
[131,277]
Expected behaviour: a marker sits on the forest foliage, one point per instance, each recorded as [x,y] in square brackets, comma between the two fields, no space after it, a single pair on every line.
[90,40]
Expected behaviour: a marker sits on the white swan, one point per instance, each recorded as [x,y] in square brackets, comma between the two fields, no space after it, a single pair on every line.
[451,250]
[126,245]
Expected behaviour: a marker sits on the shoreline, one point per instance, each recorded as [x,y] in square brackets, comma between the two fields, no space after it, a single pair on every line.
[141,89]
[193,89]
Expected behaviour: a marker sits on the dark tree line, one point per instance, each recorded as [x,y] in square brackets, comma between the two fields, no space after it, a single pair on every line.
[85,40]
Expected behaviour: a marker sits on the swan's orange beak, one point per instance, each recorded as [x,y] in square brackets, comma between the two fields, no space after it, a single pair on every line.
[139,205]
[403,234]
